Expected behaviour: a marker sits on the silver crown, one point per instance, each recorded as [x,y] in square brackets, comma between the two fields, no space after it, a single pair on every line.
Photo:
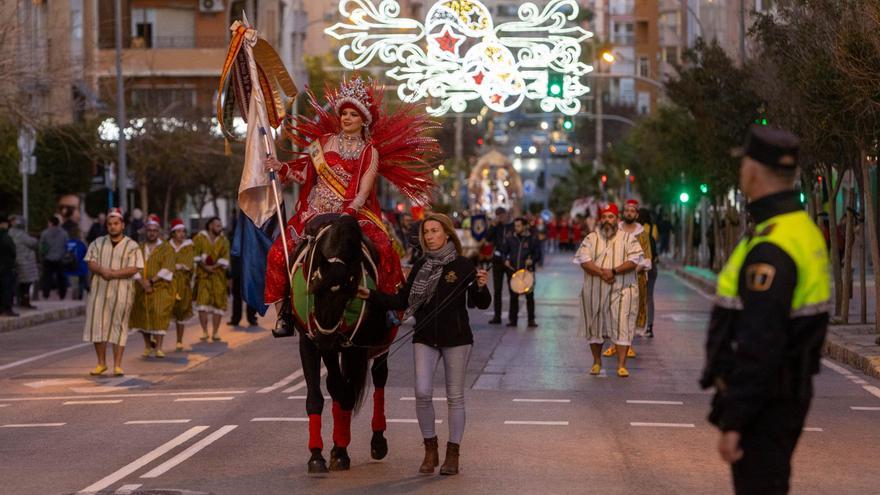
[355,92]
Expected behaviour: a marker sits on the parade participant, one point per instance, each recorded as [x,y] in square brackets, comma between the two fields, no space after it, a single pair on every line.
[769,321]
[633,227]
[499,233]
[182,311]
[609,298]
[113,260]
[564,232]
[648,224]
[211,249]
[26,270]
[521,251]
[154,292]
[348,147]
[439,291]
[552,236]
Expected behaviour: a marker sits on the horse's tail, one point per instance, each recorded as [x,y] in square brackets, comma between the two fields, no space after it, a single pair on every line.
[355,372]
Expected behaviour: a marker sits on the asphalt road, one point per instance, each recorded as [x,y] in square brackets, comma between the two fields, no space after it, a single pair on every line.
[227,418]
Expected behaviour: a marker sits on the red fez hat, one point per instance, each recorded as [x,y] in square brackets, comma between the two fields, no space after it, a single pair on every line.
[115,212]
[153,219]
[611,208]
[177,224]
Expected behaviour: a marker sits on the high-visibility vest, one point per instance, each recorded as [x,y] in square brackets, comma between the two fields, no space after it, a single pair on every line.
[799,237]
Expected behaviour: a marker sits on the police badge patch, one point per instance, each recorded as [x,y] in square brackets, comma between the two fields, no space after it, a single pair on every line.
[759,277]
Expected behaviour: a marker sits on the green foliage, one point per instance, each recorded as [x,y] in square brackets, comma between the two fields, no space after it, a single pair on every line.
[581,181]
[10,178]
[67,156]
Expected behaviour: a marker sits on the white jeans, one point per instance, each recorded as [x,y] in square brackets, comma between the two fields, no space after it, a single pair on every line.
[455,360]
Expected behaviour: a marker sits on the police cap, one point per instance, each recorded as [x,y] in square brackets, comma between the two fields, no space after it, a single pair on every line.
[771,147]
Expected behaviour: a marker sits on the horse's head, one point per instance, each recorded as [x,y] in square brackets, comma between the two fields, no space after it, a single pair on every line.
[336,270]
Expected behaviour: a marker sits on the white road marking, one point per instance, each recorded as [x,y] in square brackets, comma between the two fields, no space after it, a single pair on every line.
[437,399]
[859,381]
[85,402]
[127,489]
[56,382]
[269,420]
[657,402]
[143,460]
[809,428]
[872,390]
[836,367]
[44,355]
[124,396]
[202,399]
[664,425]
[538,423]
[189,452]
[407,420]
[31,425]
[558,401]
[282,382]
[5,405]
[157,421]
[301,384]
[864,408]
[303,397]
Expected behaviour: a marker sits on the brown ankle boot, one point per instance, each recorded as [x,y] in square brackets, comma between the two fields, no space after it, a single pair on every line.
[432,456]
[450,464]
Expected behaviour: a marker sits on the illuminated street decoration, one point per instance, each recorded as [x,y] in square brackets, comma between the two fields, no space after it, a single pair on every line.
[458,55]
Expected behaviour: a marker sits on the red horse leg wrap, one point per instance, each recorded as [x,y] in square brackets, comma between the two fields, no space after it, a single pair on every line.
[379,410]
[315,440]
[341,426]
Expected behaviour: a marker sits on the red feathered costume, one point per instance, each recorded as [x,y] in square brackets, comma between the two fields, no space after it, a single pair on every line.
[395,146]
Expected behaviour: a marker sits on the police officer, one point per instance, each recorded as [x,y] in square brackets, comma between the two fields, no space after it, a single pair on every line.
[769,321]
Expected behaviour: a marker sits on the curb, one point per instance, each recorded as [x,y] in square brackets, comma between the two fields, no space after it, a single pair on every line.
[24,321]
[841,343]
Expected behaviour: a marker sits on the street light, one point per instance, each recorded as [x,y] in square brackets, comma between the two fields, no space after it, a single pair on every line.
[684,197]
[609,57]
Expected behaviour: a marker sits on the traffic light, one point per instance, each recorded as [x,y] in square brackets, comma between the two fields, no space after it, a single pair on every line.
[479,141]
[604,179]
[704,188]
[568,123]
[555,84]
[761,121]
[684,197]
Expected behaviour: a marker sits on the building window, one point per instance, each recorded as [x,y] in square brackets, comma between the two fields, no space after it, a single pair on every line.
[622,33]
[644,66]
[163,100]
[670,54]
[142,24]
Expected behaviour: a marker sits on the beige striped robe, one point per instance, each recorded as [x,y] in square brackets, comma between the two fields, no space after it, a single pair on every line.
[609,311]
[151,312]
[110,300]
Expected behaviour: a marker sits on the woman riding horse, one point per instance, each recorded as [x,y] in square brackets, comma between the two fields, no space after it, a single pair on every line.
[348,145]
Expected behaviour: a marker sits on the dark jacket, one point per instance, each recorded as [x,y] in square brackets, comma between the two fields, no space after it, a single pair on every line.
[7,251]
[498,236]
[448,327]
[519,248]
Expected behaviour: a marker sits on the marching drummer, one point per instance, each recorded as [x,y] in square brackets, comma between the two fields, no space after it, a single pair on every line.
[522,252]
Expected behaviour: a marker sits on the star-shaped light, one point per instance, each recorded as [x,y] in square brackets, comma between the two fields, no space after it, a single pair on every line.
[447,41]
[496,98]
[474,18]
[479,78]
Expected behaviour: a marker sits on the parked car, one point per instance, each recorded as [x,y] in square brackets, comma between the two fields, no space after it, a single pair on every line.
[561,148]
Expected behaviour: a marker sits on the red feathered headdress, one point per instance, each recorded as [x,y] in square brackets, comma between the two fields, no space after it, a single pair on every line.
[401,137]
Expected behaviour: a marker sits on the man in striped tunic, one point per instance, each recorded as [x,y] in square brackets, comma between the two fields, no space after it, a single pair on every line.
[113,260]
[212,260]
[154,293]
[610,296]
[183,268]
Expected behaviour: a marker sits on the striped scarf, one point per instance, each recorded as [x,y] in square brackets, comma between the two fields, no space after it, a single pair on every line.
[425,284]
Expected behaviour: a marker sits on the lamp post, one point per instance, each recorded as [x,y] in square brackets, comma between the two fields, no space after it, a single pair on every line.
[120,116]
[609,59]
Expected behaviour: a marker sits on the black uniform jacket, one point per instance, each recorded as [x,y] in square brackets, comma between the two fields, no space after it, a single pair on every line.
[450,326]
[520,248]
[759,354]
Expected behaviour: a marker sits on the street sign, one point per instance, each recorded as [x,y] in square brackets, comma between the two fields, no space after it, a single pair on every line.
[27,140]
[529,187]
[28,165]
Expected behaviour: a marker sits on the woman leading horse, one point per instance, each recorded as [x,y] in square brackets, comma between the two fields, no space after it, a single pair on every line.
[348,145]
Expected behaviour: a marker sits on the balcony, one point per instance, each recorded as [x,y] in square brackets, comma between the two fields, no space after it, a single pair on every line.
[164,61]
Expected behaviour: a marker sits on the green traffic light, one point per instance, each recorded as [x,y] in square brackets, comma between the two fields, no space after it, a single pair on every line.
[684,197]
[704,188]
[555,90]
[567,124]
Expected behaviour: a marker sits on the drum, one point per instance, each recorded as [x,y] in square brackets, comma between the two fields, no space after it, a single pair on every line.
[522,281]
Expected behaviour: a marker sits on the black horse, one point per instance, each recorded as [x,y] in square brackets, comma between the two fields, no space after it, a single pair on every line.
[334,268]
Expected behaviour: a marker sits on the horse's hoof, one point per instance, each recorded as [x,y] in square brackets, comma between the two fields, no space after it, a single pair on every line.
[317,464]
[378,446]
[339,460]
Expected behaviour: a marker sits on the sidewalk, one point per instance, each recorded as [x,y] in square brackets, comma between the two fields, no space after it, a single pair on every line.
[47,310]
[852,344]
